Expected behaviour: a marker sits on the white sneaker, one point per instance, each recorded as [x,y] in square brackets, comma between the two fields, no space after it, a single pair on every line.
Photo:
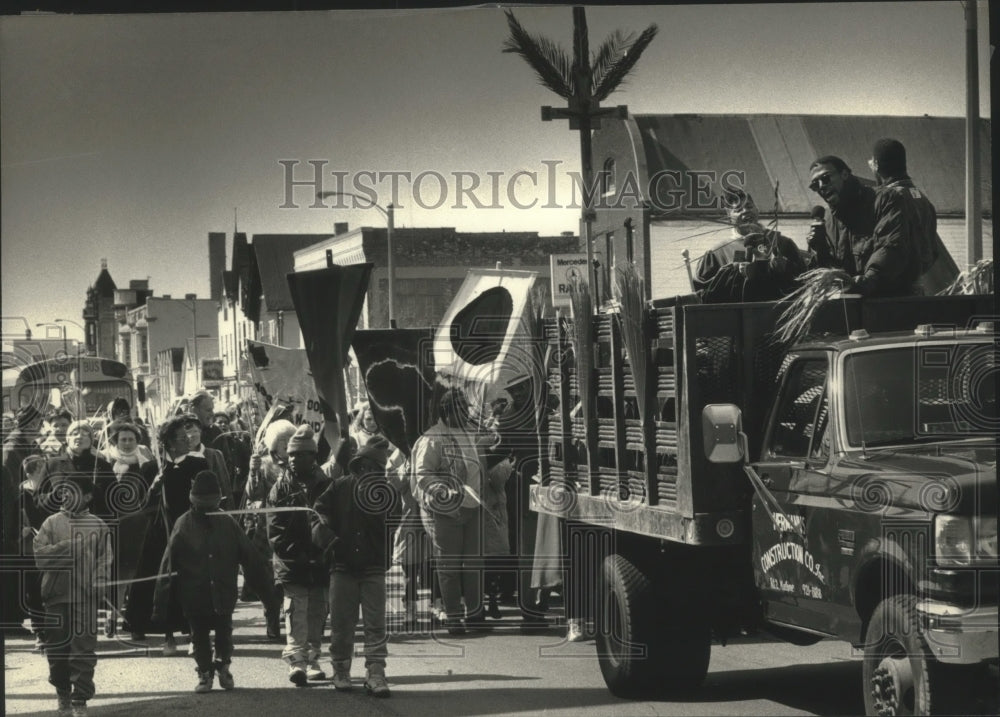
[314,671]
[297,675]
[574,631]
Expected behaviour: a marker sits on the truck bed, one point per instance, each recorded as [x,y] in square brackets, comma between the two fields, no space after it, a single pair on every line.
[650,476]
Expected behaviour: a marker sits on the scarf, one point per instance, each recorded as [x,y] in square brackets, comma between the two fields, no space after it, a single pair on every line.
[123,462]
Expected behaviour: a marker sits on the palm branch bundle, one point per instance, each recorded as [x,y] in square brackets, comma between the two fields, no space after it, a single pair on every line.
[535,327]
[977,279]
[818,285]
[583,340]
[630,293]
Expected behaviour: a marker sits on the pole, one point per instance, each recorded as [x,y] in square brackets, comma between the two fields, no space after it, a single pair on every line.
[973,197]
[194,338]
[65,345]
[390,217]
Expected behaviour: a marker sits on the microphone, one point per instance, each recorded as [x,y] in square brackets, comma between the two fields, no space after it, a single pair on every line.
[816,239]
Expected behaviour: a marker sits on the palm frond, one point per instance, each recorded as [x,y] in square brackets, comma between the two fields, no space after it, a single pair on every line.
[552,66]
[630,294]
[616,74]
[608,54]
[818,285]
[583,343]
[977,279]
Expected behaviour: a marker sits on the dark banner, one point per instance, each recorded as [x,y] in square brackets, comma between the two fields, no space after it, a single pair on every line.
[328,304]
[397,366]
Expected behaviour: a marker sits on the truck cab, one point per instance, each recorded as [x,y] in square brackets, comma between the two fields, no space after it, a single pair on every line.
[875,509]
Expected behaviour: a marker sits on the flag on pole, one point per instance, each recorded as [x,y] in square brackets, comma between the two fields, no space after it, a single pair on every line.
[397,366]
[328,305]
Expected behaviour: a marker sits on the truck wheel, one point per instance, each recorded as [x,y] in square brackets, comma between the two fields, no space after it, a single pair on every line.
[899,674]
[638,648]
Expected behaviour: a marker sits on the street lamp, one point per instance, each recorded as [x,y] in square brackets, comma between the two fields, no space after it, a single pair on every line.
[390,221]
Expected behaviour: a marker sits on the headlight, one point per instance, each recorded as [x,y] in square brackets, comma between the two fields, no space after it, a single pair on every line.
[963,540]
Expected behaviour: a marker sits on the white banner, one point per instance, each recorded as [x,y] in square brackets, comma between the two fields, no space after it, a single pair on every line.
[281,374]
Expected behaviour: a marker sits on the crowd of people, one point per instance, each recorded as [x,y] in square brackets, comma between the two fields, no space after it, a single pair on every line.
[313,535]
[884,237]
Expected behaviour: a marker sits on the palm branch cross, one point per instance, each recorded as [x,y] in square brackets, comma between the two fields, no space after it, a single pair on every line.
[584,82]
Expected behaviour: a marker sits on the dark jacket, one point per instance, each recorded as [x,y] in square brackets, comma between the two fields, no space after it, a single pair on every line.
[902,242]
[101,472]
[351,526]
[849,229]
[172,487]
[206,551]
[719,280]
[17,446]
[297,560]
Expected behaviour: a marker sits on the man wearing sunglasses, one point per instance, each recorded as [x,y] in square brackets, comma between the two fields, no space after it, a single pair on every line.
[847,230]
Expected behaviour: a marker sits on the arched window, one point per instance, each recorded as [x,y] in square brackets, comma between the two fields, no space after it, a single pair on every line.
[608,177]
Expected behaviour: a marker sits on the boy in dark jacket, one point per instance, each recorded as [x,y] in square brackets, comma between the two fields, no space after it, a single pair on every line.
[205,550]
[351,529]
[298,563]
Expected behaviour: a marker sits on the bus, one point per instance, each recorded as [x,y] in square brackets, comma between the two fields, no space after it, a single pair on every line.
[63,381]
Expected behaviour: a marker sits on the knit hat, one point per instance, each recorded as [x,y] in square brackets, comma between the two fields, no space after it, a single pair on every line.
[276,431]
[890,155]
[375,451]
[205,489]
[302,440]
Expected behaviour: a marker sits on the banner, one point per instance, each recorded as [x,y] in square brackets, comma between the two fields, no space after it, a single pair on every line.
[397,366]
[283,375]
[328,305]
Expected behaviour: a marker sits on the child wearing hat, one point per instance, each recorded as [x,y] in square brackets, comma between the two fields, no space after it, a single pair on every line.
[351,531]
[73,551]
[204,553]
[298,563]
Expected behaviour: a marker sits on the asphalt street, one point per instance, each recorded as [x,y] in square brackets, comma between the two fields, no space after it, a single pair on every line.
[499,673]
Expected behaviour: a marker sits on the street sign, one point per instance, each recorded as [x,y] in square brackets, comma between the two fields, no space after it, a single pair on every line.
[564,270]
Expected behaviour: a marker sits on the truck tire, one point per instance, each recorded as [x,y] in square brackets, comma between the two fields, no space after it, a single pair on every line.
[641,650]
[899,674]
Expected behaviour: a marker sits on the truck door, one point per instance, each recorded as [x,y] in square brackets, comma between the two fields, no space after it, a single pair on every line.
[785,569]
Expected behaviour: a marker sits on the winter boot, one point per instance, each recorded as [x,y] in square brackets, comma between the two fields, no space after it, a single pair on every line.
[342,675]
[78,708]
[65,704]
[226,681]
[375,683]
[205,679]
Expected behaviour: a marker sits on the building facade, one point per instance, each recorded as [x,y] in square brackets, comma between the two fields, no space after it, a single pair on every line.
[99,323]
[430,265]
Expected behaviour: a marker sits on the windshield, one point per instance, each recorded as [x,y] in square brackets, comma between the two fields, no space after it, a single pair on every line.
[899,396]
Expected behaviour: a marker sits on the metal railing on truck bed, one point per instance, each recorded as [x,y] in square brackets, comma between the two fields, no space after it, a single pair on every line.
[608,465]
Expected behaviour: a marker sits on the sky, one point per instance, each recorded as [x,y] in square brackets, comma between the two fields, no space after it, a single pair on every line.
[131,137]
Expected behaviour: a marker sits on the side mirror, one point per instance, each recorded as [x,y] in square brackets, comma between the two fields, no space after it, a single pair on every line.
[722,427]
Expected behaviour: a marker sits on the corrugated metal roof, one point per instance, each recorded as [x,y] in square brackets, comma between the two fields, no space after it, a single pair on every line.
[780,148]
[273,256]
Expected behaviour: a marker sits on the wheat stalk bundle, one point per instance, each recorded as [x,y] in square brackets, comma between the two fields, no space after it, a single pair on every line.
[977,279]
[630,294]
[583,341]
[817,286]
[535,327]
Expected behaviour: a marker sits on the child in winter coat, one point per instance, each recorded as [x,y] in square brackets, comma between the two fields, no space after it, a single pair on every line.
[351,531]
[204,552]
[81,542]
